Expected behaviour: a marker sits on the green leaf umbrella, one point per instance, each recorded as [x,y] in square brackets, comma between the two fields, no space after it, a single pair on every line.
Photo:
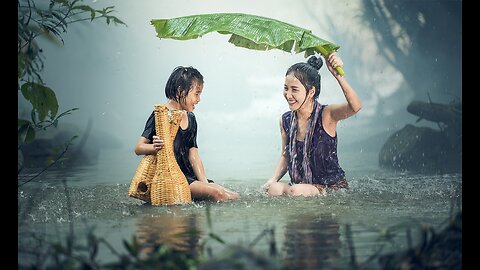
[248,31]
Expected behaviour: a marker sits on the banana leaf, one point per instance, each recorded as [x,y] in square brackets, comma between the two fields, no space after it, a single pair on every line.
[248,31]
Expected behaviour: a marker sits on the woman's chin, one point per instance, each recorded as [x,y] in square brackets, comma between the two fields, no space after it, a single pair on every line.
[292,107]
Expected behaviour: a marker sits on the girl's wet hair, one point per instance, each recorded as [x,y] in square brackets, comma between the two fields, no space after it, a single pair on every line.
[180,82]
[307,73]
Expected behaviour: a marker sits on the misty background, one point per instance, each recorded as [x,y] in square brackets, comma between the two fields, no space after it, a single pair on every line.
[394,52]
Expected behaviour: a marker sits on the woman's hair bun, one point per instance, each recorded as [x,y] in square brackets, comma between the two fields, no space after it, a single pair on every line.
[315,62]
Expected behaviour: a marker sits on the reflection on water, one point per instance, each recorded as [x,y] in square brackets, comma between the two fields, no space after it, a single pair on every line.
[311,241]
[176,230]
[309,231]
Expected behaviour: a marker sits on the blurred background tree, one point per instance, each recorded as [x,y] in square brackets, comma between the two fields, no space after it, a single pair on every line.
[420,39]
[48,19]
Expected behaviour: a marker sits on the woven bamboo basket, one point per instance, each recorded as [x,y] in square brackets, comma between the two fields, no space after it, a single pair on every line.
[158,179]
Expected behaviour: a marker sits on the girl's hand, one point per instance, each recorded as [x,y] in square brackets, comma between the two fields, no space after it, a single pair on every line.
[333,62]
[266,186]
[158,143]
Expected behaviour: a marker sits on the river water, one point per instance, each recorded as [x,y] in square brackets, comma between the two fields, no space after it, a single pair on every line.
[309,233]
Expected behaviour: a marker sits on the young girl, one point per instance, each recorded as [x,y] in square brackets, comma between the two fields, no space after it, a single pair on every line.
[308,130]
[183,90]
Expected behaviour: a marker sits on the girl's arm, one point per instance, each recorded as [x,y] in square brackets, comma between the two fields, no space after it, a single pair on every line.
[197,164]
[144,147]
[280,170]
[342,111]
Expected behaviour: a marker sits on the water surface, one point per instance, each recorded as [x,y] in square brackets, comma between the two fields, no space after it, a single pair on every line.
[378,209]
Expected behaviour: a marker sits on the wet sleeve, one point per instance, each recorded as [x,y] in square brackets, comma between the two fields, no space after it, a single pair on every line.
[149,128]
[192,138]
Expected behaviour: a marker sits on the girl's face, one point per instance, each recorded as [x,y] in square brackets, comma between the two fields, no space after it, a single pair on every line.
[193,97]
[294,92]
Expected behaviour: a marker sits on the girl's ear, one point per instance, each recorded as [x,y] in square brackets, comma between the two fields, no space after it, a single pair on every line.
[311,92]
[179,94]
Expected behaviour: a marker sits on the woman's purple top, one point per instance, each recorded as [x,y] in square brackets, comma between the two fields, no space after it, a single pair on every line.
[324,161]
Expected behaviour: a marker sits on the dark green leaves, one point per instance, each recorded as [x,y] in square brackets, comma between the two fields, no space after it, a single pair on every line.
[42,98]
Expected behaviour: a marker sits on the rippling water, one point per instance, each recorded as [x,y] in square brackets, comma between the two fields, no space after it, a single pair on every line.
[310,233]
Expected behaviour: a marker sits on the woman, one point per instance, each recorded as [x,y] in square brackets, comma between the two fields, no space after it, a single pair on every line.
[308,131]
[183,90]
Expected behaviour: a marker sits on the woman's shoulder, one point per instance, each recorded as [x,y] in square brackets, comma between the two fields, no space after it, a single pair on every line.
[285,120]
[286,114]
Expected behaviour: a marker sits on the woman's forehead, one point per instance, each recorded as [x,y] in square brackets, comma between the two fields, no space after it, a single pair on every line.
[290,79]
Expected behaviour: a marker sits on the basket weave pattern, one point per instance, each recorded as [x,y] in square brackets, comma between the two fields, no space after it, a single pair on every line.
[158,179]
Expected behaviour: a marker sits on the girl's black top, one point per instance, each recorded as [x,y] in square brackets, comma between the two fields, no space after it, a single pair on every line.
[184,140]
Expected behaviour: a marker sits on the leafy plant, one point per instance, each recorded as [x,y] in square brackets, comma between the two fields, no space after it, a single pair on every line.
[248,31]
[48,19]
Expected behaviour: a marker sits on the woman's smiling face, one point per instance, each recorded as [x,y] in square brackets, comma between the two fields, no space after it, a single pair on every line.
[294,92]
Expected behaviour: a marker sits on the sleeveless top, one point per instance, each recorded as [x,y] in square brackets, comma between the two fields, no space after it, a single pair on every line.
[184,140]
[323,158]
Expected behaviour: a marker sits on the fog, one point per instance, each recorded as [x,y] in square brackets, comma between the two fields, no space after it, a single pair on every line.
[115,74]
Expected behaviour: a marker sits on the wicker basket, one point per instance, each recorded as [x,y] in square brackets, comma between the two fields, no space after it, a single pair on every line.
[158,179]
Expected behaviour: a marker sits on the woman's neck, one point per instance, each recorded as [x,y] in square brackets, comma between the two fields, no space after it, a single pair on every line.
[306,110]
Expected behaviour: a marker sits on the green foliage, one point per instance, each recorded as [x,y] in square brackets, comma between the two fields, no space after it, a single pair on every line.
[26,131]
[248,31]
[161,257]
[42,99]
[50,20]
[436,250]
[70,253]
